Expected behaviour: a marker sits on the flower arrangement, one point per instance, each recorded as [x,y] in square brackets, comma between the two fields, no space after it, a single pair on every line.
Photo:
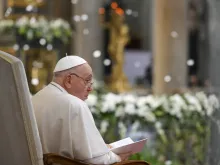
[60,29]
[40,29]
[179,123]
[6,25]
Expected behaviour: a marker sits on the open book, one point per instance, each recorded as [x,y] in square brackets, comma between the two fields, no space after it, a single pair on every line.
[128,145]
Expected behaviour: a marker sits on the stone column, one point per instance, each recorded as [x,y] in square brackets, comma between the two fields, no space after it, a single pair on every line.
[169,45]
[214,58]
[1,9]
[146,24]
[88,33]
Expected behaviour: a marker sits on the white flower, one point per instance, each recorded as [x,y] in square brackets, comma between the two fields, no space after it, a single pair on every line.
[130,108]
[213,105]
[153,101]
[4,24]
[168,162]
[214,102]
[43,24]
[158,125]
[66,25]
[179,101]
[142,111]
[94,110]
[92,100]
[108,107]
[59,23]
[193,102]
[42,21]
[164,103]
[23,21]
[122,129]
[33,23]
[141,101]
[103,127]
[109,102]
[120,112]
[149,116]
[112,97]
[160,131]
[201,96]
[56,23]
[128,98]
[7,23]
[175,110]
[209,111]
[135,126]
[38,27]
[203,100]
[177,105]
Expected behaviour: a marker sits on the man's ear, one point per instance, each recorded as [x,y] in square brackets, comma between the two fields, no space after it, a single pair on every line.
[67,81]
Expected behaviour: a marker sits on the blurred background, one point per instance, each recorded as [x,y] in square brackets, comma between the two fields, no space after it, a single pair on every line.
[155,65]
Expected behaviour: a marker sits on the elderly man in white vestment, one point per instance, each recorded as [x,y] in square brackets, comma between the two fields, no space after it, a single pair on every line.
[65,123]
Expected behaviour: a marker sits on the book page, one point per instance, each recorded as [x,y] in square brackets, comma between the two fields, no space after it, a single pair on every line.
[122,142]
[132,148]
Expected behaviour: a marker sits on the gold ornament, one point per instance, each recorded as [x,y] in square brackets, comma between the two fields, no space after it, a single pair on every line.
[119,37]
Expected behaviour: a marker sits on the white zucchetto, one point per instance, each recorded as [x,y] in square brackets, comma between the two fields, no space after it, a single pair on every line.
[68,62]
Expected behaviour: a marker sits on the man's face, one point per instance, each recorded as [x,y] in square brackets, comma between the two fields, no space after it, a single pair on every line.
[81,81]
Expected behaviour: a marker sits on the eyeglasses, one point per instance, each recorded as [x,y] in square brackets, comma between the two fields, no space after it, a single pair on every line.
[88,83]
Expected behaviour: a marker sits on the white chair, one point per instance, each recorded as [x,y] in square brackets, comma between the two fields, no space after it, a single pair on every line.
[19,139]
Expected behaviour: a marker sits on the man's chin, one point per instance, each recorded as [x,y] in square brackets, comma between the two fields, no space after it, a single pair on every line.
[85,97]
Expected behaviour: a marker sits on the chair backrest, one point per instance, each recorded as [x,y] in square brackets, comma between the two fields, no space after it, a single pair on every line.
[19,138]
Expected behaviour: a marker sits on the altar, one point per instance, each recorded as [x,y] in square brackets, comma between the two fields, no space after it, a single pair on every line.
[33,38]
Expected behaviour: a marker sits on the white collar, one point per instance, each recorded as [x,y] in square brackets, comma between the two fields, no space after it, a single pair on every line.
[58,87]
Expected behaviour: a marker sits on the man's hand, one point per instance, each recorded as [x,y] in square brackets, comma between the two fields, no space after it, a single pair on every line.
[109,146]
[125,156]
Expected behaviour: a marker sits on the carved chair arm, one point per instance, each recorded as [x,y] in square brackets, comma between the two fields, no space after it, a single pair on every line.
[51,158]
[132,162]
